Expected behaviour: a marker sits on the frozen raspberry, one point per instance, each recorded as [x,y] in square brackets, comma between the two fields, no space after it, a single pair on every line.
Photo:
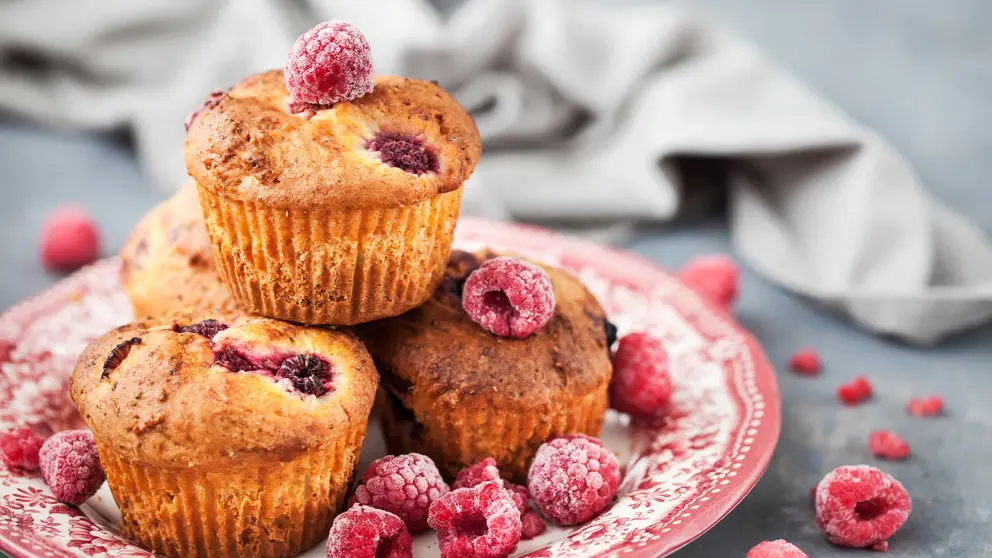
[806,362]
[206,328]
[880,547]
[855,391]
[409,154]
[69,239]
[210,101]
[406,485]
[641,385]
[519,494]
[329,63]
[860,506]
[485,470]
[532,526]
[309,374]
[509,297]
[19,449]
[365,532]
[776,549]
[888,445]
[71,466]
[477,522]
[931,406]
[573,478]
[714,277]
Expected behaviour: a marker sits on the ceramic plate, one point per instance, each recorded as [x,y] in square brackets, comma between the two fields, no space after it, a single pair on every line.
[682,475]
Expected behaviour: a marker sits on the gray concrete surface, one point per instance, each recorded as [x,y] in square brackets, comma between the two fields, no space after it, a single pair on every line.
[917,71]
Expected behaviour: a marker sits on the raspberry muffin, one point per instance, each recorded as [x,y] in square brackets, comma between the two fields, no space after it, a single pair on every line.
[335,215]
[226,438]
[459,394]
[167,264]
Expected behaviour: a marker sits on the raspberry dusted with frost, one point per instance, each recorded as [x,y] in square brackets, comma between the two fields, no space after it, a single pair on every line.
[19,449]
[641,385]
[860,506]
[806,362]
[509,297]
[405,485]
[776,549]
[573,478]
[888,445]
[531,525]
[477,522]
[483,471]
[365,532]
[714,277]
[71,466]
[931,406]
[855,391]
[70,239]
[329,63]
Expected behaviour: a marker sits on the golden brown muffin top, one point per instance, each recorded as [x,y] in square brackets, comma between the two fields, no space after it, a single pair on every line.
[167,263]
[436,354]
[162,395]
[248,145]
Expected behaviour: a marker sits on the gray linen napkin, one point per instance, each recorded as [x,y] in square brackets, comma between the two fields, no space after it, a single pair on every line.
[590,110]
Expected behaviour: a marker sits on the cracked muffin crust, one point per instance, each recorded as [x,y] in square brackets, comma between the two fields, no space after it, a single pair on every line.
[227,436]
[459,394]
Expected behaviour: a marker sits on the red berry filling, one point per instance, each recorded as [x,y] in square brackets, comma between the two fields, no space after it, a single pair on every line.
[406,485]
[206,328]
[71,466]
[855,391]
[329,64]
[888,445]
[364,532]
[860,506]
[776,549]
[509,297]
[573,478]
[308,373]
[408,154]
[931,406]
[477,522]
[641,384]
[19,449]
[806,362]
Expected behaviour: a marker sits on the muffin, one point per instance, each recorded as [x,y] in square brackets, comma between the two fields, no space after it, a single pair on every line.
[167,264]
[337,215]
[226,439]
[459,394]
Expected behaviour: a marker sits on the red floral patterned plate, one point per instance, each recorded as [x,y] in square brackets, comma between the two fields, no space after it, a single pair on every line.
[682,476]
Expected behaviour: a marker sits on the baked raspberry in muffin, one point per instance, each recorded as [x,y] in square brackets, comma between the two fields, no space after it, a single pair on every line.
[167,264]
[226,437]
[459,394]
[339,214]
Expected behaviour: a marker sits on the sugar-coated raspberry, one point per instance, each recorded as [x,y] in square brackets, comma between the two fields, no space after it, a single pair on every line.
[532,526]
[366,532]
[880,547]
[409,154]
[854,392]
[776,549]
[509,297]
[477,522]
[641,384]
[71,466]
[19,449]
[405,485]
[573,478]
[931,406]
[210,101]
[70,239]
[715,277]
[329,63]
[308,373]
[487,471]
[860,506]
[519,494]
[806,362]
[888,445]
[206,328]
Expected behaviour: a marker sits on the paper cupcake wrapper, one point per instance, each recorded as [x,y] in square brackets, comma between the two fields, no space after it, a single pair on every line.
[461,437]
[277,510]
[329,266]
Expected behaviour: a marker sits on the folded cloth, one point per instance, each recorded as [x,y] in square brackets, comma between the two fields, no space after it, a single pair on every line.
[591,111]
